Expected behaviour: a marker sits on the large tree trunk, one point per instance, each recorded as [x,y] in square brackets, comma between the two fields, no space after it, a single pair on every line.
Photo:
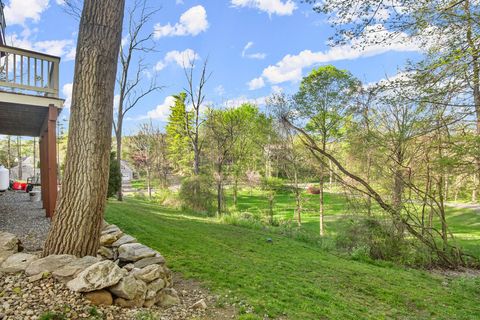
[79,212]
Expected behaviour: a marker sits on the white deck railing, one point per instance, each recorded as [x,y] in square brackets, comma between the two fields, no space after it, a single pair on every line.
[29,72]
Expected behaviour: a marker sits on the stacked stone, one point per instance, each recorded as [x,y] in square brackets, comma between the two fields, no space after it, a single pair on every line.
[125,272]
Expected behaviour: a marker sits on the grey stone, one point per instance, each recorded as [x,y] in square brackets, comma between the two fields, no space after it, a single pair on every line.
[70,270]
[8,245]
[124,240]
[154,287]
[134,252]
[100,275]
[168,297]
[106,253]
[17,262]
[8,242]
[49,264]
[125,288]
[199,305]
[149,273]
[107,239]
[148,261]
[141,289]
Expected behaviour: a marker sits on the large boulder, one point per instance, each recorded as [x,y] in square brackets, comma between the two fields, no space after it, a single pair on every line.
[134,252]
[141,289]
[9,244]
[126,288]
[99,298]
[124,240]
[72,269]
[168,297]
[157,259]
[100,275]
[17,262]
[49,264]
[154,287]
[149,273]
[139,299]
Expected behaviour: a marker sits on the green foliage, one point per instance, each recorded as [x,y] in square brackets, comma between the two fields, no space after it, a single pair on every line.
[368,239]
[271,185]
[145,315]
[115,177]
[178,144]
[94,313]
[324,100]
[196,193]
[50,315]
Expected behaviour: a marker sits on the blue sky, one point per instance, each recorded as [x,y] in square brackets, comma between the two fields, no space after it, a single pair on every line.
[254,47]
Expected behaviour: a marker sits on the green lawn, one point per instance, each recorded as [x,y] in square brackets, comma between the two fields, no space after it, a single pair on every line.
[289,278]
[464,224]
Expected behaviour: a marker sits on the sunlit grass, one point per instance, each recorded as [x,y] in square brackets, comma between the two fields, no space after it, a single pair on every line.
[290,278]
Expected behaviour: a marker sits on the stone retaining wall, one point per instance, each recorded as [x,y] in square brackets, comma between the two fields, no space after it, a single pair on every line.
[125,273]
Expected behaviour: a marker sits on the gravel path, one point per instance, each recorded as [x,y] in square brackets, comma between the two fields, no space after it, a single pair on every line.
[25,219]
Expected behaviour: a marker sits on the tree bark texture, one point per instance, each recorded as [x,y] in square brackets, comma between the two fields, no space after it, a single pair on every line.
[80,209]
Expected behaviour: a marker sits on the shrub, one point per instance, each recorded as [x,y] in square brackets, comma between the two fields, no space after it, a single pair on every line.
[115,177]
[196,193]
[372,238]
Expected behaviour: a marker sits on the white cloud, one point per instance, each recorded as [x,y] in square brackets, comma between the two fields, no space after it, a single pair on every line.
[236,102]
[192,22]
[256,83]
[116,102]
[181,58]
[258,55]
[219,90]
[58,48]
[162,111]
[277,89]
[278,7]
[62,48]
[18,11]
[290,68]
[67,94]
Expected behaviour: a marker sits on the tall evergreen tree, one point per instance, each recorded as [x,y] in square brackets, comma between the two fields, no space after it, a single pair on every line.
[179,150]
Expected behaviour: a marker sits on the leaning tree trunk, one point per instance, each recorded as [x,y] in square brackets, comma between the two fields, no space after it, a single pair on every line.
[79,212]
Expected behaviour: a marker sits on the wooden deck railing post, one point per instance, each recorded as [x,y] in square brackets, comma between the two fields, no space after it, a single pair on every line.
[48,161]
[52,159]
[43,170]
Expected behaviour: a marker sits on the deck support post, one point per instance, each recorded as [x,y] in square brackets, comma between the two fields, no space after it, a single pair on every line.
[48,161]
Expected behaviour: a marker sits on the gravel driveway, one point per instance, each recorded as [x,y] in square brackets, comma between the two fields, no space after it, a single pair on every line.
[25,219]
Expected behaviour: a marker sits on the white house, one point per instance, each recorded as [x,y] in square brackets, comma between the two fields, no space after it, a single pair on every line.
[28,170]
[127,172]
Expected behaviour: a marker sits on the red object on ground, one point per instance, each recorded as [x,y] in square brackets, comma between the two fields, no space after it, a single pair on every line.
[17,185]
[313,190]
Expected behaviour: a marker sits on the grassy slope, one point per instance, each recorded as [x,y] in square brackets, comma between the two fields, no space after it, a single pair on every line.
[290,277]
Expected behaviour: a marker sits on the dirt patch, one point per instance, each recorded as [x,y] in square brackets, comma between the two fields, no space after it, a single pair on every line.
[215,310]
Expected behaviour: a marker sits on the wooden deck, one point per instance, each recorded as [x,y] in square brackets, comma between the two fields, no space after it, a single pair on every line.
[30,105]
